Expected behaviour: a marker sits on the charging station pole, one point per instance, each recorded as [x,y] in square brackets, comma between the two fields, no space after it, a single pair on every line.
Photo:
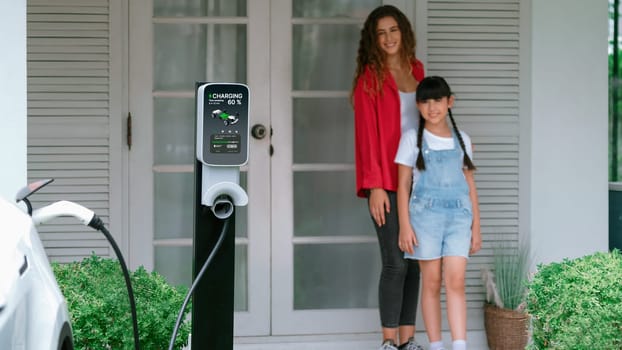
[212,301]
[222,134]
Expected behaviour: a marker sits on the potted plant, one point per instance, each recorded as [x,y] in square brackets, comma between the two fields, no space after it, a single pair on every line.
[505,319]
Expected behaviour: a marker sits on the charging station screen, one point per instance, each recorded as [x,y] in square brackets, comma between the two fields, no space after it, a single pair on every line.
[225,143]
[223,123]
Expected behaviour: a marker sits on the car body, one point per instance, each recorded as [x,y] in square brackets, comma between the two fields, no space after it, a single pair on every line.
[33,311]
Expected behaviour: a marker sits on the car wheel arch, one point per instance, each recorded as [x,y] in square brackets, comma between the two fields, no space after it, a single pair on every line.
[65,338]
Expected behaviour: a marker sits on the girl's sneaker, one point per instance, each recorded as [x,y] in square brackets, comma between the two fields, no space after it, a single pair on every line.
[388,345]
[411,345]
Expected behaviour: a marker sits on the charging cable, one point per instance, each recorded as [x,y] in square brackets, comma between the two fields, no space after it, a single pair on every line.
[223,233]
[88,217]
[98,224]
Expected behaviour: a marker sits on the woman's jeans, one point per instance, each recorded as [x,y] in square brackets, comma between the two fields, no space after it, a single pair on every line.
[398,291]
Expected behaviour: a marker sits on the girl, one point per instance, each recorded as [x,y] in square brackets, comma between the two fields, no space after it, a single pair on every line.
[439,219]
[383,92]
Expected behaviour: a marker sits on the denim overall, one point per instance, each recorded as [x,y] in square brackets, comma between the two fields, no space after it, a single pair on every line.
[440,206]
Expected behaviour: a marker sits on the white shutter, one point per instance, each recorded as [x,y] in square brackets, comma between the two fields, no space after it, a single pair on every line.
[68,117]
[474,44]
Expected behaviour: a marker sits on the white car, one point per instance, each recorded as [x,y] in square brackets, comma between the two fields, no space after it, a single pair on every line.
[33,311]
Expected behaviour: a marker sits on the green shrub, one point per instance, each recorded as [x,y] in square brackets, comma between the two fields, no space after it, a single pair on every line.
[100,310]
[577,304]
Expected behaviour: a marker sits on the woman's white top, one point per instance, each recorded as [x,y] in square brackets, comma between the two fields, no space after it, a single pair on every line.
[408,106]
[407,151]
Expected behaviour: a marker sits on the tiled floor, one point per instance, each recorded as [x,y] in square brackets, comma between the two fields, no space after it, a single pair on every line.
[477,341]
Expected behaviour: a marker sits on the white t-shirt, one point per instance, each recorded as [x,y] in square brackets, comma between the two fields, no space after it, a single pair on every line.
[407,152]
[408,107]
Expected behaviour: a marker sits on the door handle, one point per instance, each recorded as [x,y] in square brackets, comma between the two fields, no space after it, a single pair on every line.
[259,131]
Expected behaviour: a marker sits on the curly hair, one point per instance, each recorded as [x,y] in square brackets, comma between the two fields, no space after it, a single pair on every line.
[369,52]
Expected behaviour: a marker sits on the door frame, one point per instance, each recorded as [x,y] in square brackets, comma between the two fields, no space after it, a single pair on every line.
[140,155]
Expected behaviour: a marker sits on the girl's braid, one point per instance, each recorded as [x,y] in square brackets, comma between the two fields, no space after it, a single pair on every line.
[420,162]
[466,159]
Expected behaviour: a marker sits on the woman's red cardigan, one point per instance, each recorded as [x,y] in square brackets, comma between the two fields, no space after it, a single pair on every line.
[377,126]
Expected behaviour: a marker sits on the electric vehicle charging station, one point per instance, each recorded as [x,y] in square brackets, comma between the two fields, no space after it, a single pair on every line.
[222,142]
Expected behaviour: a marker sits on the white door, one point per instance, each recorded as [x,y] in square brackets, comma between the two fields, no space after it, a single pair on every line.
[307,260]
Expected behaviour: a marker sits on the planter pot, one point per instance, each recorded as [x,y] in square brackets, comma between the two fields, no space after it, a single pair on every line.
[505,329]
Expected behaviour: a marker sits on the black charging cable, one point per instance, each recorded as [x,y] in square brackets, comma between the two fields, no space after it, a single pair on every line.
[223,233]
[98,224]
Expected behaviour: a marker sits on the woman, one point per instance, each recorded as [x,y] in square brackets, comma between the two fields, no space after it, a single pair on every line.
[383,96]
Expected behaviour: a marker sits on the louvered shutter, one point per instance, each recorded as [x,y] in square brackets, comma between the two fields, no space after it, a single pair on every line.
[68,117]
[475,46]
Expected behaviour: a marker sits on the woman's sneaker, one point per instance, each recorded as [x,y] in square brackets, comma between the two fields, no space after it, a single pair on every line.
[411,345]
[388,345]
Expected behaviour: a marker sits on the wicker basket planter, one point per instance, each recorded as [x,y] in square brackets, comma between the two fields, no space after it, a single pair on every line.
[505,329]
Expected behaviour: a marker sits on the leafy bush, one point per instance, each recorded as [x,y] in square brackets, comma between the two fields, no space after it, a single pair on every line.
[100,310]
[577,304]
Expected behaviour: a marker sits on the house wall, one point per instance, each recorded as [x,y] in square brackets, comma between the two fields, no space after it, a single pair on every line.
[13,97]
[74,119]
[566,212]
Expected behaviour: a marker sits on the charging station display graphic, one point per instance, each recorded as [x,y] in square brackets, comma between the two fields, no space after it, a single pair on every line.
[222,112]
[225,117]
